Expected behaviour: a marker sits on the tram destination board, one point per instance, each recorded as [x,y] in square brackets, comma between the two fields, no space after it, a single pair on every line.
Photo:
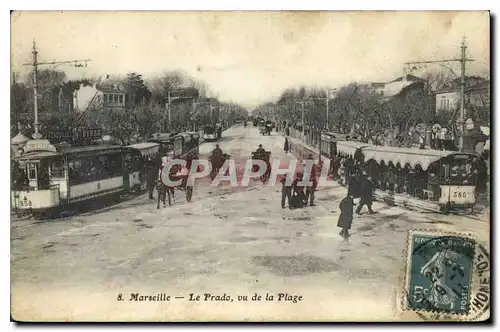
[77,134]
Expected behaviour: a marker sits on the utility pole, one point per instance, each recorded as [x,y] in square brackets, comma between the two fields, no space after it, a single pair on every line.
[327,104]
[211,108]
[303,115]
[169,112]
[35,64]
[462,97]
[462,60]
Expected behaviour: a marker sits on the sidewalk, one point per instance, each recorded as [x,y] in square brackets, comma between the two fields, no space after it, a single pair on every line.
[301,149]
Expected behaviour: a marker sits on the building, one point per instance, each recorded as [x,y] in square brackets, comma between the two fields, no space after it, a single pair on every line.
[477,94]
[394,87]
[377,88]
[98,97]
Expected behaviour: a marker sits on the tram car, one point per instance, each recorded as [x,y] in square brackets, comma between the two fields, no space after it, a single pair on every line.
[165,140]
[444,180]
[139,158]
[328,143]
[212,132]
[57,177]
[186,145]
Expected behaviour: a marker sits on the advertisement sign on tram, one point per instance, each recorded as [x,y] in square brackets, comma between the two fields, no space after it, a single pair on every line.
[74,135]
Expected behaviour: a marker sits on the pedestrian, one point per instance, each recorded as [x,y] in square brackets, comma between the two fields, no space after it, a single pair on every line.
[366,194]
[152,177]
[298,198]
[287,145]
[346,215]
[286,191]
[312,177]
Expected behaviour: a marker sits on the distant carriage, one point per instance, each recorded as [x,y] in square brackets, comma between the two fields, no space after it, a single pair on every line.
[265,127]
[445,179]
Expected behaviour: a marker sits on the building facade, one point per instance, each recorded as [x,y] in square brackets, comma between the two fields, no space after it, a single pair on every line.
[477,94]
[97,97]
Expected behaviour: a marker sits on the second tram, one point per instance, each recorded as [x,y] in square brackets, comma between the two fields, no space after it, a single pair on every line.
[445,180]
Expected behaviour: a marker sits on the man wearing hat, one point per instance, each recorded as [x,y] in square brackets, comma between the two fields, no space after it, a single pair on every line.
[260,150]
[366,194]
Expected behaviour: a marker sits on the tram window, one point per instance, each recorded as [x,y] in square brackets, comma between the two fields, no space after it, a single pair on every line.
[178,147]
[32,171]
[57,169]
[446,171]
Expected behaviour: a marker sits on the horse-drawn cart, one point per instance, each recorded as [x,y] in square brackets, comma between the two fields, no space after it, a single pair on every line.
[266,157]
[265,127]
[217,162]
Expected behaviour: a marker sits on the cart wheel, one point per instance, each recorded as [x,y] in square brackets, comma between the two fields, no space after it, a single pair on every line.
[189,193]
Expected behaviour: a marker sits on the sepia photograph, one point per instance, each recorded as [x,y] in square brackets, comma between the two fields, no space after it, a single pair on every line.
[250,166]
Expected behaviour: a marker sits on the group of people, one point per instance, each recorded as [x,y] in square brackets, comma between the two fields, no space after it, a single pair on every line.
[297,194]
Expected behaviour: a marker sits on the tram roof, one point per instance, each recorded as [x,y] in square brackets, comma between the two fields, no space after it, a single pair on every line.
[410,156]
[350,147]
[142,146]
[72,150]
[146,148]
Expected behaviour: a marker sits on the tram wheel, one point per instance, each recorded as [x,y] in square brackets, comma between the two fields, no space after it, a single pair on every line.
[445,209]
[189,193]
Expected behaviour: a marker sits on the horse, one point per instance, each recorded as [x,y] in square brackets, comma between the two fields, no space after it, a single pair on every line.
[162,190]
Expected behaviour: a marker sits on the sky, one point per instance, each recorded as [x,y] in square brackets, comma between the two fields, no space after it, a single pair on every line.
[251,57]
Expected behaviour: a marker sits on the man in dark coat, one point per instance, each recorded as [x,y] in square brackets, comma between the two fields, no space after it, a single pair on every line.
[152,176]
[366,194]
[312,177]
[298,192]
[287,145]
[286,191]
[346,211]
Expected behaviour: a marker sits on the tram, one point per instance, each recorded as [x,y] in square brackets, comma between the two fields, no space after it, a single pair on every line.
[165,140]
[60,176]
[55,177]
[185,146]
[328,143]
[444,180]
[138,159]
[212,132]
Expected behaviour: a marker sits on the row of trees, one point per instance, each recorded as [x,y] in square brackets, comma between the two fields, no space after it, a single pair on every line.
[358,110]
[146,105]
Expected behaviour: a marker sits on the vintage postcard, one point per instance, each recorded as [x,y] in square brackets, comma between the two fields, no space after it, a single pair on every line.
[259,166]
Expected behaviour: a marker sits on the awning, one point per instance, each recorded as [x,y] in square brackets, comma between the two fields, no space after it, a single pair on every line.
[403,156]
[146,149]
[349,148]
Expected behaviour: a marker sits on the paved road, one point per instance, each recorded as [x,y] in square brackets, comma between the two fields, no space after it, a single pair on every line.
[227,240]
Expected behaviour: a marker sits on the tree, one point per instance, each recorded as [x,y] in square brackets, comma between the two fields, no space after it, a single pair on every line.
[136,90]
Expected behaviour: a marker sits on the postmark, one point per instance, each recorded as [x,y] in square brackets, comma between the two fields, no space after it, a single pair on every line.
[439,274]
